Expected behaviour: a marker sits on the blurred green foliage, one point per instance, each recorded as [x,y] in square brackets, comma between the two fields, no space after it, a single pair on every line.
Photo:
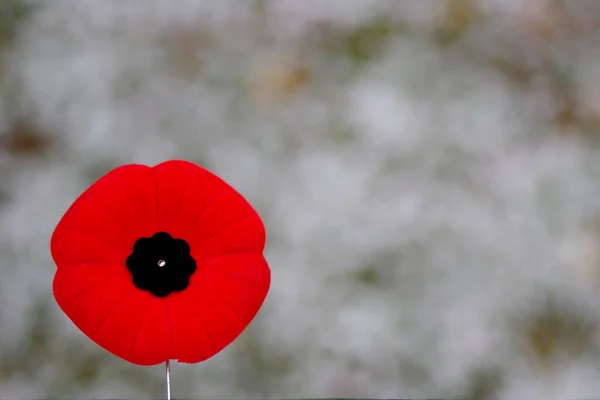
[485,383]
[12,14]
[555,331]
[366,41]
[257,371]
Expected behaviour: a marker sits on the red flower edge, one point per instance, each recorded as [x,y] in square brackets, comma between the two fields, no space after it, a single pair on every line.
[209,244]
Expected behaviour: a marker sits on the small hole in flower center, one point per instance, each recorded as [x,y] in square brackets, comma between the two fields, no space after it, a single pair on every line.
[162,263]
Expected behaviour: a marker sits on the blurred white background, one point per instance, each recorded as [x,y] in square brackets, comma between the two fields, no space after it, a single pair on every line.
[428,172]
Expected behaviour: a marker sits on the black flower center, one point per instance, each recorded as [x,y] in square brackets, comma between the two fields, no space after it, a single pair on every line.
[161,264]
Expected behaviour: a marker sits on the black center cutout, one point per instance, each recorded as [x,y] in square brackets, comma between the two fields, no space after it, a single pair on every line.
[161,264]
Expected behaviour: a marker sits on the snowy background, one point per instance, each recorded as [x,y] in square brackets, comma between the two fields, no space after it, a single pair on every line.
[428,172]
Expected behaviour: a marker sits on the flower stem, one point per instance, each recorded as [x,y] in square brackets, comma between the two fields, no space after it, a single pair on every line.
[168,379]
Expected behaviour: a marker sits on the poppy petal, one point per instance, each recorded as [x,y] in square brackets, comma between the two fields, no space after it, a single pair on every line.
[224,296]
[173,179]
[88,293]
[199,206]
[183,192]
[100,301]
[116,210]
[72,246]
[227,234]
[139,332]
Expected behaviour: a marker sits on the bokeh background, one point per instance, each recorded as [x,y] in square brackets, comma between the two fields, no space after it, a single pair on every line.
[428,172]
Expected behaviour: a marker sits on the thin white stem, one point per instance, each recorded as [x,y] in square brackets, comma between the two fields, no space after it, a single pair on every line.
[168,379]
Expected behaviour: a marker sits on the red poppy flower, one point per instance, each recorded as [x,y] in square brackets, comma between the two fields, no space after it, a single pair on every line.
[159,263]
